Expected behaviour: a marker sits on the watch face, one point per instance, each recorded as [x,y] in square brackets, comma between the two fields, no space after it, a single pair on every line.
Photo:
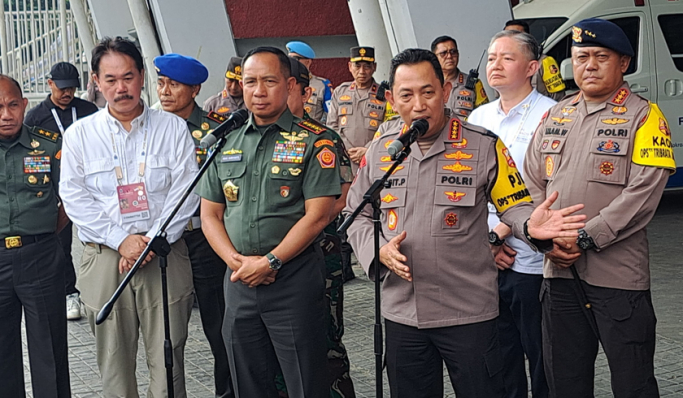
[492,238]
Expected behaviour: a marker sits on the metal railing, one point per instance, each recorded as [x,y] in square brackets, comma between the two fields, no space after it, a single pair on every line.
[38,34]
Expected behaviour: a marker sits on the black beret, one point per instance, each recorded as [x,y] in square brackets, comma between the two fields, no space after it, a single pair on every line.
[595,32]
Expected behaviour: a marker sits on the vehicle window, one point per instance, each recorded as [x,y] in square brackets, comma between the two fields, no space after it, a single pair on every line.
[671,26]
[541,28]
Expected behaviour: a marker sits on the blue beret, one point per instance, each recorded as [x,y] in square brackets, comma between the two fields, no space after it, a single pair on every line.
[182,69]
[300,48]
[595,32]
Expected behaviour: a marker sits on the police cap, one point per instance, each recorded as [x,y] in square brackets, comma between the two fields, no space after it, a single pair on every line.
[182,69]
[234,69]
[299,72]
[366,54]
[301,48]
[595,32]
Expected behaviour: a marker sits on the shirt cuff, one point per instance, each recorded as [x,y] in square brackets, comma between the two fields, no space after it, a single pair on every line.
[116,237]
[601,233]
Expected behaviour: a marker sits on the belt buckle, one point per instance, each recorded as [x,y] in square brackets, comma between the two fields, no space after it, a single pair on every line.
[12,242]
[189,225]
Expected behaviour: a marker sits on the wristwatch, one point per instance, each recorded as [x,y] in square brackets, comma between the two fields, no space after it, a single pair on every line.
[494,239]
[275,263]
[584,241]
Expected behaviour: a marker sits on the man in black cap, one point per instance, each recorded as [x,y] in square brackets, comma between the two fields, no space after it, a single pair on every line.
[610,149]
[56,113]
[230,98]
[178,84]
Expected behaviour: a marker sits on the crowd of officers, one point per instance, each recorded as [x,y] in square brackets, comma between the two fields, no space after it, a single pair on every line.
[493,208]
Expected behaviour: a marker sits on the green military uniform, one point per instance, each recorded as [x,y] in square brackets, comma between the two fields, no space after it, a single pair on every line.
[264,175]
[31,275]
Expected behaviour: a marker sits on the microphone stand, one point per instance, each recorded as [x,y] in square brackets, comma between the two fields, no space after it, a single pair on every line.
[372,196]
[160,246]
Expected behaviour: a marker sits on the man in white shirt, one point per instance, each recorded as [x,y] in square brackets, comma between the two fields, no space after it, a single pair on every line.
[514,117]
[124,169]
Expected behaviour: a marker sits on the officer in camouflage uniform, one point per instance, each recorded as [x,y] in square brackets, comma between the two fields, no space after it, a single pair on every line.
[179,82]
[31,272]
[341,385]
[230,98]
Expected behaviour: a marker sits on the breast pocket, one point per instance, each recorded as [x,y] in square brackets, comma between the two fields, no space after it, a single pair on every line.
[608,161]
[158,178]
[285,187]
[232,182]
[551,151]
[451,213]
[393,203]
[100,176]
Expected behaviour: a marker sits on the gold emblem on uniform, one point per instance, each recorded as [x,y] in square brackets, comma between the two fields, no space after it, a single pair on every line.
[46,179]
[32,179]
[294,172]
[576,34]
[619,110]
[457,167]
[388,198]
[197,134]
[232,151]
[361,52]
[35,144]
[560,121]
[291,136]
[238,69]
[460,155]
[275,169]
[549,166]
[39,194]
[615,120]
[308,109]
[36,152]
[231,191]
[567,110]
[396,170]
[205,126]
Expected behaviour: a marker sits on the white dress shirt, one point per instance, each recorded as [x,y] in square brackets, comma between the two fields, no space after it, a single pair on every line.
[515,129]
[88,179]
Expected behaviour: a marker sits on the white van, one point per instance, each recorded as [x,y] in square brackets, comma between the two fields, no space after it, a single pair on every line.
[655,29]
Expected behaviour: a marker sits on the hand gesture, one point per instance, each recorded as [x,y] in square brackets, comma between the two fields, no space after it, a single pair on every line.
[390,255]
[253,270]
[565,252]
[547,224]
[504,256]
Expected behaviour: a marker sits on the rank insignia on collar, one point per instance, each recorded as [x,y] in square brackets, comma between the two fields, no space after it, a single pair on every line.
[396,170]
[284,191]
[621,96]
[47,134]
[455,196]
[609,146]
[392,220]
[460,145]
[294,172]
[606,168]
[615,120]
[388,198]
[456,130]
[457,167]
[216,117]
[451,219]
[460,155]
[312,126]
[205,126]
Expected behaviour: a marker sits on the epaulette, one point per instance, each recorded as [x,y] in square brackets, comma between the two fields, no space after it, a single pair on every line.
[218,118]
[312,126]
[47,134]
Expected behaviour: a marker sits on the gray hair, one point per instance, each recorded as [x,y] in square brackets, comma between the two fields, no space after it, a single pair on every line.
[526,42]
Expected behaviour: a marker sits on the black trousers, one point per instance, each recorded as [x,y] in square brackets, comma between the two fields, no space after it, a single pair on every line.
[471,352]
[32,280]
[519,331]
[281,323]
[626,324]
[65,240]
[208,272]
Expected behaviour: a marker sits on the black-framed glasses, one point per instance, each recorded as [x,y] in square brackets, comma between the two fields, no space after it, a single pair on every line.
[443,54]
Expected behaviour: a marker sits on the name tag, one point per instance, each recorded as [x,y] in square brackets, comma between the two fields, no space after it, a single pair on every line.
[133,202]
[231,158]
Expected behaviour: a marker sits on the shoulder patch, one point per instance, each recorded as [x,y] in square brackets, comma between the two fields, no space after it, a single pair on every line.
[47,134]
[218,118]
[508,188]
[652,144]
[456,130]
[312,126]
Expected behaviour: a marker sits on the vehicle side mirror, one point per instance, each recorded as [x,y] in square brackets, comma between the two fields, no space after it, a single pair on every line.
[566,69]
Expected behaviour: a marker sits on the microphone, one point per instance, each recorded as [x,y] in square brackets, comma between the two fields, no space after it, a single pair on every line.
[417,129]
[236,120]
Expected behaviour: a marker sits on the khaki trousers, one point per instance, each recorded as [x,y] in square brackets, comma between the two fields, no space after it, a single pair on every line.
[138,309]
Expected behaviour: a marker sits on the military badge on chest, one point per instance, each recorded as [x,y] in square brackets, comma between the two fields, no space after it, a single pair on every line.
[230,190]
[292,150]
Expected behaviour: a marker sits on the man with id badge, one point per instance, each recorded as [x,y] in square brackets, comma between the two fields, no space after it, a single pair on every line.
[56,113]
[512,61]
[123,171]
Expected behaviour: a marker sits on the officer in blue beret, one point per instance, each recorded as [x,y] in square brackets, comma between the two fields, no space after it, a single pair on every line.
[321,88]
[178,85]
[608,148]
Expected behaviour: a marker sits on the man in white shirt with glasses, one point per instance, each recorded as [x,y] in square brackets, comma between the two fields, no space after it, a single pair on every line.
[124,169]
[512,61]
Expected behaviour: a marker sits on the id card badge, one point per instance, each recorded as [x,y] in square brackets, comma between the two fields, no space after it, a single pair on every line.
[133,202]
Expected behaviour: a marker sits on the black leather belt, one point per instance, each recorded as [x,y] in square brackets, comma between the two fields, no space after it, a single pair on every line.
[14,242]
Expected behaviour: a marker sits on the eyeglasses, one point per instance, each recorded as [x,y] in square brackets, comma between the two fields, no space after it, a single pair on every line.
[453,53]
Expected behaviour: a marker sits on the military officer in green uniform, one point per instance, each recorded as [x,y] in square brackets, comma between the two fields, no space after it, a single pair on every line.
[178,84]
[31,273]
[265,202]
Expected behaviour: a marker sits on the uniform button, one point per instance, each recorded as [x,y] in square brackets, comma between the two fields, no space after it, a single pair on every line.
[254,251]
[284,173]
[11,199]
[260,148]
[256,173]
[228,172]
[253,199]
[253,225]
[9,177]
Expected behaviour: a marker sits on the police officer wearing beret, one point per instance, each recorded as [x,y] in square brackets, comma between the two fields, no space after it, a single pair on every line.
[320,88]
[610,149]
[56,113]
[265,200]
[178,84]
[230,98]
[355,111]
[31,269]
